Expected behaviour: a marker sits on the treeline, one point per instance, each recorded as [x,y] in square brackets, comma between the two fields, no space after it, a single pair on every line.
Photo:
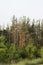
[23,39]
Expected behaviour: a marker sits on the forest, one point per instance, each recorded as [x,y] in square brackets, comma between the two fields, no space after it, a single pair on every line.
[20,40]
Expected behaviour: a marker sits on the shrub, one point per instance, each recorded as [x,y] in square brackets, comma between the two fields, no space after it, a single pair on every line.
[10,53]
[37,53]
[2,53]
[23,52]
[41,52]
[32,51]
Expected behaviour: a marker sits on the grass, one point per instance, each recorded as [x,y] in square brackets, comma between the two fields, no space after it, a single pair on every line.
[28,62]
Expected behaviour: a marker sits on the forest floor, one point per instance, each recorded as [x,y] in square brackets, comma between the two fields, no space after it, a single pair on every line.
[30,62]
[38,61]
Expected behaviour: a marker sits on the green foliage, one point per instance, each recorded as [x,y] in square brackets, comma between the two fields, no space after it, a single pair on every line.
[10,53]
[32,51]
[2,45]
[22,52]
[14,53]
[2,53]
[37,53]
[41,52]
[7,54]
[2,38]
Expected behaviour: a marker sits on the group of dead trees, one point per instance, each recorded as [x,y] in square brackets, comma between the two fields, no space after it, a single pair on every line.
[23,32]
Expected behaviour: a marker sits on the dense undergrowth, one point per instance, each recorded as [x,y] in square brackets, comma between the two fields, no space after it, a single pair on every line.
[13,53]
